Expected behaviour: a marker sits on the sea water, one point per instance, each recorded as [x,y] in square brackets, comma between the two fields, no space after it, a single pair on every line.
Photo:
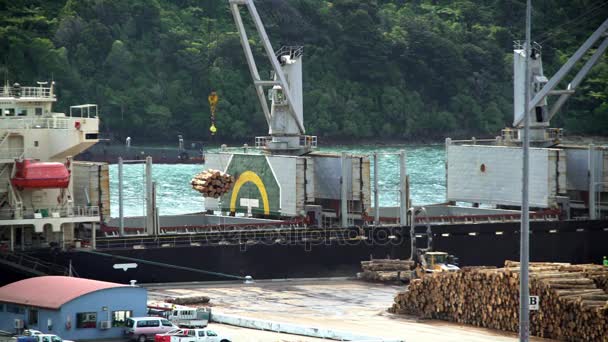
[425,166]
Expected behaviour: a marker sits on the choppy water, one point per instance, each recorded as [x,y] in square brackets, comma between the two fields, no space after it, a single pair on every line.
[425,165]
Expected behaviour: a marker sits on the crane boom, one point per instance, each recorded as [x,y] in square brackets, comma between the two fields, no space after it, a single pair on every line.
[285,117]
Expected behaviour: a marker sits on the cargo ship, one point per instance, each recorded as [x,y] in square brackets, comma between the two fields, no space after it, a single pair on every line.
[296,212]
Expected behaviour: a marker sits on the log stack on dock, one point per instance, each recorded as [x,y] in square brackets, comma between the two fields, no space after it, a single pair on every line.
[386,270]
[212,183]
[573,299]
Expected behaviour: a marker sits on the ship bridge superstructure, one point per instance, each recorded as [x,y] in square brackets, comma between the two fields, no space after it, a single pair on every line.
[36,149]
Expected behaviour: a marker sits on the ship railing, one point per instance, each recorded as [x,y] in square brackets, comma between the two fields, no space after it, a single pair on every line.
[292,51]
[521,45]
[51,212]
[34,265]
[473,141]
[243,236]
[554,134]
[306,141]
[261,142]
[27,92]
[545,215]
[11,153]
[35,123]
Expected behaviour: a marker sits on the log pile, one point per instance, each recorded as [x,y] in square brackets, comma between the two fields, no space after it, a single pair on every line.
[188,300]
[573,299]
[212,183]
[386,270]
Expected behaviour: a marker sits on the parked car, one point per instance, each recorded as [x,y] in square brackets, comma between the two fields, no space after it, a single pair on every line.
[192,335]
[32,332]
[144,328]
[49,338]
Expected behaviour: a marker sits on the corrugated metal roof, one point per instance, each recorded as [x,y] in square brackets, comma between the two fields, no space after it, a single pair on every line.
[51,292]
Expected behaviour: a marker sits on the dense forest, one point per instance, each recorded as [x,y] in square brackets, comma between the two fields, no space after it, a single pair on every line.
[373,69]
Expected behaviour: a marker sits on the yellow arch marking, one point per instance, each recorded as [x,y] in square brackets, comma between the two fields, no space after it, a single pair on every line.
[244,178]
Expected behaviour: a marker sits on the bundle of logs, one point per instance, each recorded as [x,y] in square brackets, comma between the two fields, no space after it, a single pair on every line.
[573,299]
[212,183]
[188,300]
[386,270]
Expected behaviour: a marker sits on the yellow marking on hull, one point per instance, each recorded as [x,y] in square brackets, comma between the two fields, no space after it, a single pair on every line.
[244,178]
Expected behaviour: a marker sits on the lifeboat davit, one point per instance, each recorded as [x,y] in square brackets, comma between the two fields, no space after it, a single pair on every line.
[40,175]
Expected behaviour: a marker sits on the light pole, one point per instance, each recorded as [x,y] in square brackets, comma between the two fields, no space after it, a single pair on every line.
[524,248]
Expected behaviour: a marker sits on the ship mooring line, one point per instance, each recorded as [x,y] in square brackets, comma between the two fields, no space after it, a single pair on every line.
[162,264]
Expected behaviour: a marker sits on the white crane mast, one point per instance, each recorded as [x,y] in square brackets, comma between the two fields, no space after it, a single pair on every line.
[541,87]
[285,116]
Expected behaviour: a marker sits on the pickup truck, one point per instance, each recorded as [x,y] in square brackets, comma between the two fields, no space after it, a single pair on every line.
[191,335]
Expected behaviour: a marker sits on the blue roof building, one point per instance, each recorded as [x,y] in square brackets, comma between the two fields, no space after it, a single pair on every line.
[72,308]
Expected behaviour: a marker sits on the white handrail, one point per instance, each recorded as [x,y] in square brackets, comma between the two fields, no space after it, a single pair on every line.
[78,211]
[34,92]
[35,123]
[11,153]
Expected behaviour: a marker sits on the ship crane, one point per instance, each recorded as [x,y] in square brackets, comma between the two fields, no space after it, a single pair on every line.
[285,116]
[542,88]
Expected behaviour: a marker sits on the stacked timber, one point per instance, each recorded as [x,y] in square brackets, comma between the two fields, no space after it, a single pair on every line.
[212,183]
[573,303]
[386,270]
[188,300]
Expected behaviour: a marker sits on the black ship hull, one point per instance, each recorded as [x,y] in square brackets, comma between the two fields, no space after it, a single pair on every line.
[333,252]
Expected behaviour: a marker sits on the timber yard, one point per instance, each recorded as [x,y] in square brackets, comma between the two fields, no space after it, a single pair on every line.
[294,243]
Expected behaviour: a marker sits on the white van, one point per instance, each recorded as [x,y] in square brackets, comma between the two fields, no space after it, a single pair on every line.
[145,328]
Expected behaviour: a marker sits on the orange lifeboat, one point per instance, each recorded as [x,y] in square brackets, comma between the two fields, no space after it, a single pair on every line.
[40,175]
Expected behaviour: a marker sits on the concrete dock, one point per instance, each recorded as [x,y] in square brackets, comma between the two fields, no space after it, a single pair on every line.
[340,304]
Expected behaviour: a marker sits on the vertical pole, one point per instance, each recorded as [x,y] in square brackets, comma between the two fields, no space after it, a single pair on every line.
[12,239]
[376,192]
[23,240]
[591,172]
[149,195]
[408,201]
[154,210]
[402,189]
[413,235]
[524,290]
[121,214]
[94,235]
[344,192]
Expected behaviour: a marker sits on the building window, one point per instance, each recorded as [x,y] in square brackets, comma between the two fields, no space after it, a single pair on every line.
[36,143]
[1,307]
[38,111]
[23,112]
[16,309]
[86,320]
[9,112]
[32,317]
[119,318]
[148,323]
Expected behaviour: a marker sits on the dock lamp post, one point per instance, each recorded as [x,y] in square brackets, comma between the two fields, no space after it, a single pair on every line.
[524,248]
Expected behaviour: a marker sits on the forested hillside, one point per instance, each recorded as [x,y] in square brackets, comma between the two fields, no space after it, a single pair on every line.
[374,69]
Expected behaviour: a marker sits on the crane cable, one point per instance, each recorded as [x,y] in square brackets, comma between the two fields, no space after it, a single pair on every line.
[575,21]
